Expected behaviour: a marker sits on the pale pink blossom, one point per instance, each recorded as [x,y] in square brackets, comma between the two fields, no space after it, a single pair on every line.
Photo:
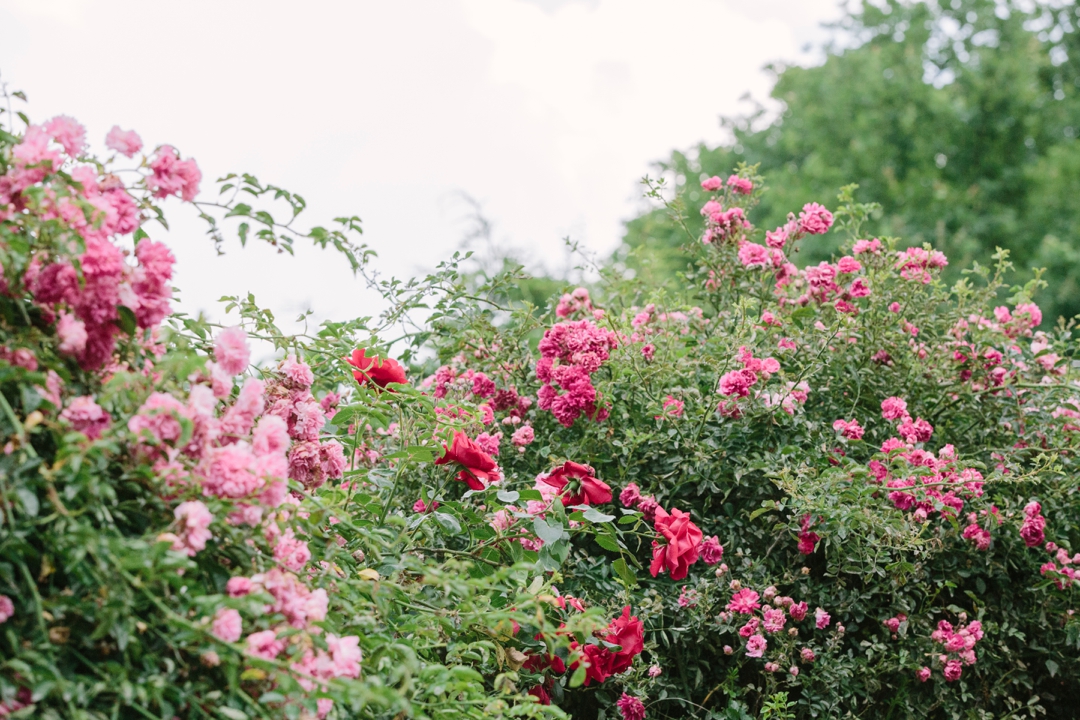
[291,552]
[228,625]
[238,586]
[346,654]
[72,334]
[296,372]
[172,176]
[867,246]
[68,132]
[86,416]
[815,219]
[523,436]
[194,518]
[894,408]
[231,350]
[756,645]
[739,185]
[264,645]
[125,142]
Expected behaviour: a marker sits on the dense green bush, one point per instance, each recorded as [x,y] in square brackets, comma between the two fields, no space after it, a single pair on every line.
[759,493]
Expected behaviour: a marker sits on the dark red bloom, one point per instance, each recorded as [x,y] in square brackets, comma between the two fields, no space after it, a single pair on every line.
[808,540]
[578,485]
[479,467]
[538,662]
[683,543]
[378,371]
[541,694]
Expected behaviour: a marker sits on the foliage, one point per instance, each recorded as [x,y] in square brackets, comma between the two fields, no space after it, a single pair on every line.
[960,118]
[757,493]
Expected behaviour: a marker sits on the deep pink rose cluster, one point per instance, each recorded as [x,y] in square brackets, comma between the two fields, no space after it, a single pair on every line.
[570,352]
[958,646]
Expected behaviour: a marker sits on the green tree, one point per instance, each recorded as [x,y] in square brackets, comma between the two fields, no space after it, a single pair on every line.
[959,118]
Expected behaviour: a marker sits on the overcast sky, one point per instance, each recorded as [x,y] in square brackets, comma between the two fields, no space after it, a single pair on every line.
[546,111]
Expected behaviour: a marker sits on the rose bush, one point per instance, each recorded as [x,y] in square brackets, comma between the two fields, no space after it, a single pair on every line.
[838,490]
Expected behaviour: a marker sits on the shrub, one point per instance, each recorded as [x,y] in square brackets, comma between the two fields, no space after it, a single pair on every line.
[832,491]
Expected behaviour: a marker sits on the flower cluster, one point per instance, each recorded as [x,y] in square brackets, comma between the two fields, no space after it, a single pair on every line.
[723,225]
[915,263]
[312,461]
[893,624]
[767,614]
[737,383]
[1031,531]
[958,645]
[570,353]
[975,533]
[575,303]
[292,605]
[1059,569]
[87,296]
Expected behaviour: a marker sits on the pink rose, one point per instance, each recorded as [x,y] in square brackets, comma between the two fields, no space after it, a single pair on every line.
[683,544]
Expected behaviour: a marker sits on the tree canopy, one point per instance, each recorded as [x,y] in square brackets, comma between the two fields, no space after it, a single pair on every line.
[959,118]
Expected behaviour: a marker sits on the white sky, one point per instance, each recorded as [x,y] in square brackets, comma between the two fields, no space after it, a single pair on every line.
[546,111]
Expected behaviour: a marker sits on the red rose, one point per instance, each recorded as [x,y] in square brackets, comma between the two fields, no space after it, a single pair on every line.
[578,485]
[538,662]
[807,541]
[479,467]
[626,631]
[683,543]
[541,694]
[380,372]
[598,659]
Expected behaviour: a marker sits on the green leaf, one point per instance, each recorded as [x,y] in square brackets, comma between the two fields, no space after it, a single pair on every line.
[547,532]
[1052,667]
[28,500]
[232,713]
[594,515]
[761,511]
[127,321]
[448,521]
[802,314]
[508,496]
[578,677]
[419,453]
[607,543]
[624,572]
